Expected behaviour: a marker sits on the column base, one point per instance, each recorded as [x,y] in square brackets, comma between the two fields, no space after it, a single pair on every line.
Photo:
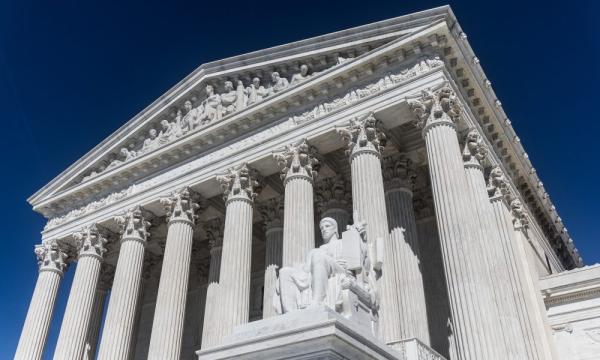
[314,333]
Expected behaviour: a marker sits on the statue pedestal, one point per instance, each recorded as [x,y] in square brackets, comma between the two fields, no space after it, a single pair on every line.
[314,333]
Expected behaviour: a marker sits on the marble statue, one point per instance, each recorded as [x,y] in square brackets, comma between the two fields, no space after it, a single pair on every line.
[301,76]
[191,118]
[256,92]
[211,106]
[228,99]
[278,83]
[150,142]
[327,272]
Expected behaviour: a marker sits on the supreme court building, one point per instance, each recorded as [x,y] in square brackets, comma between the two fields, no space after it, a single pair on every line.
[357,195]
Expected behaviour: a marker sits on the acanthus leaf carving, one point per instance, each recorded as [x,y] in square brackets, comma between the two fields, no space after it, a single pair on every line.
[298,159]
[90,241]
[363,133]
[398,172]
[333,193]
[434,107]
[181,206]
[498,184]
[271,211]
[240,183]
[51,256]
[474,151]
[214,233]
[519,214]
[133,224]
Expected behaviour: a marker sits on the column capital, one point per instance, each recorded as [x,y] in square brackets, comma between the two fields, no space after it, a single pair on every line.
[133,225]
[474,151]
[90,242]
[240,184]
[214,233]
[519,214]
[363,134]
[181,206]
[51,257]
[298,160]
[107,275]
[272,211]
[333,193]
[436,108]
[398,172]
[498,185]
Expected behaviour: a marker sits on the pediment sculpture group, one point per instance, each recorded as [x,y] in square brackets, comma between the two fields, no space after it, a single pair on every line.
[214,107]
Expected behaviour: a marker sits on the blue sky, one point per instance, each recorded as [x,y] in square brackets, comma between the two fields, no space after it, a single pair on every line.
[72,73]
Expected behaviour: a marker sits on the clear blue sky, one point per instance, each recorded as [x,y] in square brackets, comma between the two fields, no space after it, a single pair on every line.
[70,74]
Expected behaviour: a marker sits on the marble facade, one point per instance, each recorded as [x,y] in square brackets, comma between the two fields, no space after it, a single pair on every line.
[197,229]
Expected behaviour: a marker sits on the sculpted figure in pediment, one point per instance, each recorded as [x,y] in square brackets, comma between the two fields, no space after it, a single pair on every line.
[256,92]
[229,99]
[211,105]
[126,154]
[279,83]
[191,119]
[301,76]
[166,135]
[150,143]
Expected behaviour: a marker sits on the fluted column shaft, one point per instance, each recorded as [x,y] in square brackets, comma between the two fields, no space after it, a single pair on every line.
[409,280]
[299,220]
[167,327]
[210,329]
[94,327]
[78,314]
[273,255]
[531,326]
[117,333]
[235,280]
[35,329]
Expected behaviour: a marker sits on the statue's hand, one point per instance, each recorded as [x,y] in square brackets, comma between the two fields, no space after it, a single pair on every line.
[342,263]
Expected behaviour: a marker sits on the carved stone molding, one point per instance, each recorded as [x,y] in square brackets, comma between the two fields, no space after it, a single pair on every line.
[363,134]
[333,193]
[298,160]
[133,224]
[240,184]
[271,211]
[398,172]
[51,257]
[181,206]
[436,107]
[90,241]
[474,151]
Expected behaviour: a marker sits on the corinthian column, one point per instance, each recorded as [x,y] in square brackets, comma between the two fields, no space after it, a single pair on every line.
[76,321]
[399,177]
[365,141]
[521,289]
[299,170]
[117,334]
[272,212]
[437,113]
[333,198]
[239,187]
[167,327]
[210,330]
[107,274]
[51,260]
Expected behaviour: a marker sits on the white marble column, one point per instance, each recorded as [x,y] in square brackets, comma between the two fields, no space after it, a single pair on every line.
[211,323]
[51,260]
[365,142]
[333,198]
[107,274]
[239,189]
[117,333]
[272,212]
[78,313]
[399,177]
[437,113]
[167,327]
[518,285]
[299,170]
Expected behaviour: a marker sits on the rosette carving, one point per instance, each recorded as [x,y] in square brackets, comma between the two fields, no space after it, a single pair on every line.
[298,160]
[363,133]
[90,241]
[398,172]
[240,183]
[436,106]
[180,206]
[50,256]
[133,224]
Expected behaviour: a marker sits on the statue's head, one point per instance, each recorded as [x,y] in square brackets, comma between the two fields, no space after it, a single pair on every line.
[329,228]
[152,133]
[275,76]
[187,105]
[256,81]
[209,90]
[303,69]
[228,86]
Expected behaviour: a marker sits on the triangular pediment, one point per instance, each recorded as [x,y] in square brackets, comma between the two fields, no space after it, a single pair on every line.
[226,96]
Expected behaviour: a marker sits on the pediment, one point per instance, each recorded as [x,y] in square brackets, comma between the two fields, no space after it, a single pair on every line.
[190,118]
